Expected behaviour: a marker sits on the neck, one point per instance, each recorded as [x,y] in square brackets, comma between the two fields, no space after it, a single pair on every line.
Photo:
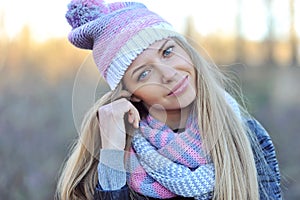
[175,119]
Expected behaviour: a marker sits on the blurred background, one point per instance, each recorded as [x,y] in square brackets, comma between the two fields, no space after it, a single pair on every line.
[256,41]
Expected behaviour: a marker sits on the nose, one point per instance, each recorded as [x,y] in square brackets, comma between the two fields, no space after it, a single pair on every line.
[168,73]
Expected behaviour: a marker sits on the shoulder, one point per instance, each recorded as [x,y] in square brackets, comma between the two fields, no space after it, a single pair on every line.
[267,164]
[257,128]
[262,135]
[263,139]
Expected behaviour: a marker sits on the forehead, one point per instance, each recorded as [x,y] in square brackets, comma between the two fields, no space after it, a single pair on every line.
[152,49]
[158,44]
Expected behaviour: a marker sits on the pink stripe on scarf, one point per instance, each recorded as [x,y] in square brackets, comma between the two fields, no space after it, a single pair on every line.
[162,191]
[180,148]
[137,178]
[184,146]
[196,155]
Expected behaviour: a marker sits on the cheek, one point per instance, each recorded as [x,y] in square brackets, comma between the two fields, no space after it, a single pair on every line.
[149,94]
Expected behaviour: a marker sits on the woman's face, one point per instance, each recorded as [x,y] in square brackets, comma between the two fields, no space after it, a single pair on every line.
[162,77]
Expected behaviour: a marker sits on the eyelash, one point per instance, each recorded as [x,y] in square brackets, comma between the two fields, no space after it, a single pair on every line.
[140,76]
[166,51]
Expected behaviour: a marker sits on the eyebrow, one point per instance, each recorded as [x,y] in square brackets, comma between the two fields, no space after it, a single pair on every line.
[163,46]
[159,50]
[137,69]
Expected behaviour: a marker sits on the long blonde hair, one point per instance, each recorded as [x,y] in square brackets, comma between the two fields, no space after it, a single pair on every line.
[226,139]
[224,134]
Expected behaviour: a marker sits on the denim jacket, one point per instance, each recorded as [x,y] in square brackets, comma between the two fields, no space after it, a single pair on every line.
[269,181]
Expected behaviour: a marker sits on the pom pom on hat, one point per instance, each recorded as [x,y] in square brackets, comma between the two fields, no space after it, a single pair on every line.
[82,11]
[116,32]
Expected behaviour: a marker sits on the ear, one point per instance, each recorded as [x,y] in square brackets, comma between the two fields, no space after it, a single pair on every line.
[134,98]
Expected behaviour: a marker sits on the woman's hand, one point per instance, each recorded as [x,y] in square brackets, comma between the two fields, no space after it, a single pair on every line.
[111,121]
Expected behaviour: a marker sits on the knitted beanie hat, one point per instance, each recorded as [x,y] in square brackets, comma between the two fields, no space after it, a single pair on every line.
[116,33]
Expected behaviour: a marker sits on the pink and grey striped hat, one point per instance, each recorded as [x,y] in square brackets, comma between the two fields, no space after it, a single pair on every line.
[116,32]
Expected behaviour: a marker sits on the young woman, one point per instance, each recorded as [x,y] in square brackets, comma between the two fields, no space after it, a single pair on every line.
[168,129]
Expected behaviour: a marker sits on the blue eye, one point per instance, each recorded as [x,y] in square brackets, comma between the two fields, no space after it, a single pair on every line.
[168,51]
[143,75]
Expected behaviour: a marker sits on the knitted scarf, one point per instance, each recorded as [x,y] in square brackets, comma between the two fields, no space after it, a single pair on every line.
[163,164]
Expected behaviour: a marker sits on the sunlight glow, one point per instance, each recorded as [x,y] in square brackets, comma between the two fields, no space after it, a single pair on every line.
[46,18]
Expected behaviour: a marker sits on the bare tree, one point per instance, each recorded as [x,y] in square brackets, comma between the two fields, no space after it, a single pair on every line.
[190,26]
[293,36]
[3,40]
[239,42]
[269,40]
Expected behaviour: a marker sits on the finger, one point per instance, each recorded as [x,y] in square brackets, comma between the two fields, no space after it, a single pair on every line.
[119,107]
[136,119]
[130,117]
[136,123]
[125,94]
[134,115]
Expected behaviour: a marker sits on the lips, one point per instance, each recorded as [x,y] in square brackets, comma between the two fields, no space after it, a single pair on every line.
[180,87]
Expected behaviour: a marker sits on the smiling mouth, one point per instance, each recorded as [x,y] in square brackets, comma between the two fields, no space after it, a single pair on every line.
[180,87]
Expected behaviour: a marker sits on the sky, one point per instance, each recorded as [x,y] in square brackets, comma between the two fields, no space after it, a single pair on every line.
[46,18]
